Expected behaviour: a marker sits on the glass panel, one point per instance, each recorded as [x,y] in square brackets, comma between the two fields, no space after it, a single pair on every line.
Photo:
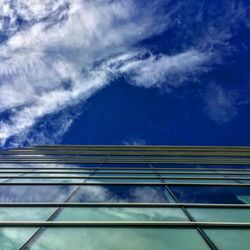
[239,175]
[30,180]
[199,166]
[9,174]
[105,180]
[230,239]
[245,181]
[18,193]
[25,213]
[3,179]
[122,214]
[193,175]
[212,194]
[125,165]
[119,238]
[67,171]
[46,165]
[125,171]
[197,181]
[83,175]
[122,193]
[125,175]
[14,238]
[220,214]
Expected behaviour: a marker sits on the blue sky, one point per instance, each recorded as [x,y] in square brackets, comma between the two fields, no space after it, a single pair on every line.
[124,72]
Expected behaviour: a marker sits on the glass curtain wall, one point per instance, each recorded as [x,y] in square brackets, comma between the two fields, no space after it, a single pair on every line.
[125,197]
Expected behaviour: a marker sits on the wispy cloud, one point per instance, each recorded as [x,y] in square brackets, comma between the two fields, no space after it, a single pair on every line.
[220,103]
[134,141]
[64,51]
[162,70]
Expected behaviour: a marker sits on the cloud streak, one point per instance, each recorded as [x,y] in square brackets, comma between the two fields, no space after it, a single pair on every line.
[63,52]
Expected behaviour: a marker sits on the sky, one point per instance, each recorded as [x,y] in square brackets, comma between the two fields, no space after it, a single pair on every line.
[132,72]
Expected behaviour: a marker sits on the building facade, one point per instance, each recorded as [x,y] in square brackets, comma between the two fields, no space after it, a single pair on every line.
[125,197]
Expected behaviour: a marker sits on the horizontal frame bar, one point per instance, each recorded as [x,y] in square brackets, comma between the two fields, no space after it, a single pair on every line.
[128,153]
[123,224]
[151,170]
[123,177]
[122,204]
[127,147]
[129,161]
[122,173]
[120,183]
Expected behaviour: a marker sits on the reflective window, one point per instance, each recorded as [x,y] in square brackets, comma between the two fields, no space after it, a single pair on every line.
[25,213]
[211,194]
[122,193]
[130,174]
[124,171]
[106,180]
[119,238]
[229,239]
[22,193]
[125,165]
[14,238]
[198,181]
[42,180]
[122,214]
[220,214]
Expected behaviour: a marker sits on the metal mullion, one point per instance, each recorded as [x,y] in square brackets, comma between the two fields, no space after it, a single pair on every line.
[150,224]
[202,233]
[133,159]
[122,204]
[121,157]
[124,183]
[55,214]
[126,168]
[122,153]
[125,177]
[147,147]
[130,161]
[128,158]
[125,172]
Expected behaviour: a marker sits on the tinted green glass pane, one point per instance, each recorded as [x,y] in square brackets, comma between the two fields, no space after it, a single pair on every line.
[125,175]
[220,214]
[197,181]
[9,174]
[3,179]
[233,172]
[122,214]
[103,180]
[14,238]
[119,238]
[83,175]
[245,181]
[124,171]
[192,175]
[25,213]
[230,239]
[30,180]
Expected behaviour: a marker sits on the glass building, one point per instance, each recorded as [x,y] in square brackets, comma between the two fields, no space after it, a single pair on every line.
[125,197]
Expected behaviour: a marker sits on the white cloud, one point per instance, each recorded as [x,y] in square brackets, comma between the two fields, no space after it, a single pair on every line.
[220,103]
[85,44]
[134,141]
[158,70]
